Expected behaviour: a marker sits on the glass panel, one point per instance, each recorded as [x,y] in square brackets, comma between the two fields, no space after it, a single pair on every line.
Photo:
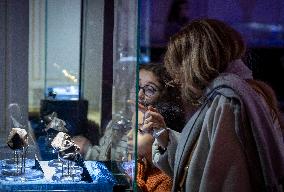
[92,58]
[63,31]
[54,68]
[67,61]
[124,81]
[54,50]
[36,54]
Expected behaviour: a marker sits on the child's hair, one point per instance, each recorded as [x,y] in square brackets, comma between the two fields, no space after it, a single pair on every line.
[170,102]
[170,91]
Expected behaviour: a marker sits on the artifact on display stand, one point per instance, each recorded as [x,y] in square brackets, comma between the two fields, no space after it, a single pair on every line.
[68,156]
[17,139]
[18,167]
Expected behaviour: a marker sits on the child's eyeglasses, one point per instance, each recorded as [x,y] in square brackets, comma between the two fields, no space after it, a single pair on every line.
[148,90]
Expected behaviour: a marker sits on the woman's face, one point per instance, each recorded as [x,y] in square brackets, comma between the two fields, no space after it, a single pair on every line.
[149,88]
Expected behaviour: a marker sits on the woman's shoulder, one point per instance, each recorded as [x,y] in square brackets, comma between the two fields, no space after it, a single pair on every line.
[222,96]
[221,102]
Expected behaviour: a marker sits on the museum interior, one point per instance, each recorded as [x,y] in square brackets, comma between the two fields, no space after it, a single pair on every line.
[69,71]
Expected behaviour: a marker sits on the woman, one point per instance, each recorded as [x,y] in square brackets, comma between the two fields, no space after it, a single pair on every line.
[230,143]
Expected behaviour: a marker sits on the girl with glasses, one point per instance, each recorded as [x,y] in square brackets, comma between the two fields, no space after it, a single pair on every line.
[155,90]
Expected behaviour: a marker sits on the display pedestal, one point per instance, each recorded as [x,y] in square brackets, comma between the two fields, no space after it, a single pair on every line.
[101,180]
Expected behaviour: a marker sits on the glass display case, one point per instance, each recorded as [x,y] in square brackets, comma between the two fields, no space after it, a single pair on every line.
[82,100]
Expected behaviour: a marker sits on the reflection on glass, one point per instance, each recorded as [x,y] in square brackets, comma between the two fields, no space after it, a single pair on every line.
[63,21]
[124,85]
[54,50]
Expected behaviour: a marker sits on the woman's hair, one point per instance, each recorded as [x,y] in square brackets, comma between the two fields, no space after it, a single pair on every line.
[270,98]
[169,103]
[199,52]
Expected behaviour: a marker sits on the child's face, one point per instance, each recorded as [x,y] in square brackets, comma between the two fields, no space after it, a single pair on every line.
[149,88]
[149,93]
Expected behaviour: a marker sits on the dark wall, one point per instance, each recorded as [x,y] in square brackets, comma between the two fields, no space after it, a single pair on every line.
[258,20]
[2,60]
[14,46]
[268,65]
